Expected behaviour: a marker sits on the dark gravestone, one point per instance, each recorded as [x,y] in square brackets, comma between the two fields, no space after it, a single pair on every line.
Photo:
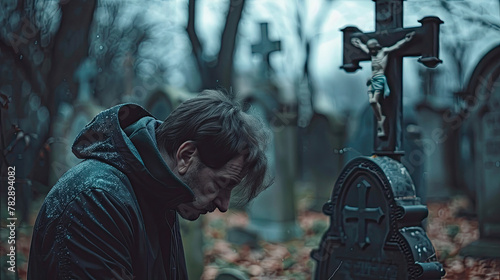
[320,161]
[265,47]
[375,226]
[159,104]
[164,100]
[376,218]
[483,97]
[273,213]
[437,143]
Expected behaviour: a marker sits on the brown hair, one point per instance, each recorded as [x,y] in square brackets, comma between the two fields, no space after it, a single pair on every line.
[221,131]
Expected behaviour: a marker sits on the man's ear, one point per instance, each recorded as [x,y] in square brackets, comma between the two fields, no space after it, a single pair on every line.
[185,156]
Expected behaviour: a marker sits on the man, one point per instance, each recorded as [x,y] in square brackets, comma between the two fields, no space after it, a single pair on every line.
[378,82]
[114,215]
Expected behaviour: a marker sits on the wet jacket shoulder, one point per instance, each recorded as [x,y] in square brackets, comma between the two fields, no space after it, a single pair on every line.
[113,215]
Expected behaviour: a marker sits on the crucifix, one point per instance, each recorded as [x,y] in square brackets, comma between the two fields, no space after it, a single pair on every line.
[385,48]
[265,47]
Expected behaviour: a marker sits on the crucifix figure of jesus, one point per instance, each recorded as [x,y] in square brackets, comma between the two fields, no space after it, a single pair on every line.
[377,84]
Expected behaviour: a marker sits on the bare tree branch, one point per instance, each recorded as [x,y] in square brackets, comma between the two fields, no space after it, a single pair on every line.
[224,68]
[193,36]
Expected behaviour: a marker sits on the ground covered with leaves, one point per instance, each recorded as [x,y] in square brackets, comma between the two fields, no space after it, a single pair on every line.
[448,228]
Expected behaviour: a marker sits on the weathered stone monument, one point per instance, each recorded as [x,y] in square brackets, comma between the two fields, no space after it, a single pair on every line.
[273,214]
[376,218]
[320,160]
[482,149]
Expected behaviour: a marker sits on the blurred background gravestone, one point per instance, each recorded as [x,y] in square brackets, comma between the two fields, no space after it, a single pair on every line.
[320,160]
[273,213]
[482,100]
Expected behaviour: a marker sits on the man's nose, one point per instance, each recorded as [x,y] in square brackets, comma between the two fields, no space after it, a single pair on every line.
[222,202]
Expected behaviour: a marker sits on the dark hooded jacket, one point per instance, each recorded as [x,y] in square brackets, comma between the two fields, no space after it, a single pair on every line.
[113,215]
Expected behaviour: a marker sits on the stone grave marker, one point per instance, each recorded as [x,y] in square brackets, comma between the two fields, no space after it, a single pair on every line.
[273,214]
[163,100]
[375,227]
[484,124]
[437,161]
[320,160]
[265,48]
[375,216]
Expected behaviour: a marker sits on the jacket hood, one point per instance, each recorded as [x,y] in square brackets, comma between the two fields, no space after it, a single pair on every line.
[124,137]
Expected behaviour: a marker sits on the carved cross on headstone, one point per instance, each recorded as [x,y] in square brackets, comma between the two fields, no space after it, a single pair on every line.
[389,30]
[265,47]
[362,214]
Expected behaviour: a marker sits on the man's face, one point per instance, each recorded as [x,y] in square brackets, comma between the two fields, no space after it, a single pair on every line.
[212,187]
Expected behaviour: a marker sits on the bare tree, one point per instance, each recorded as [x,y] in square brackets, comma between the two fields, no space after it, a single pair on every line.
[41,45]
[218,72]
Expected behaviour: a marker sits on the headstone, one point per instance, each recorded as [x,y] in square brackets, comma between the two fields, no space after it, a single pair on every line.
[265,47]
[320,161]
[273,213]
[436,152]
[376,218]
[375,226]
[159,104]
[483,102]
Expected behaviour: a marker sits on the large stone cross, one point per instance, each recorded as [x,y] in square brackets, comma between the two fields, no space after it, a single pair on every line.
[389,30]
[362,214]
[265,47]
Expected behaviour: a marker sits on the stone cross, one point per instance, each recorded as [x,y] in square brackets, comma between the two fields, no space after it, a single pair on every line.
[265,47]
[389,30]
[363,214]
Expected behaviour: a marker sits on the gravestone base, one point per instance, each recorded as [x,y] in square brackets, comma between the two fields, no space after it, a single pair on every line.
[375,226]
[482,248]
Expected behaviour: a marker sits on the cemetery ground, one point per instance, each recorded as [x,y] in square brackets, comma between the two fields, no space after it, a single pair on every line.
[450,227]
